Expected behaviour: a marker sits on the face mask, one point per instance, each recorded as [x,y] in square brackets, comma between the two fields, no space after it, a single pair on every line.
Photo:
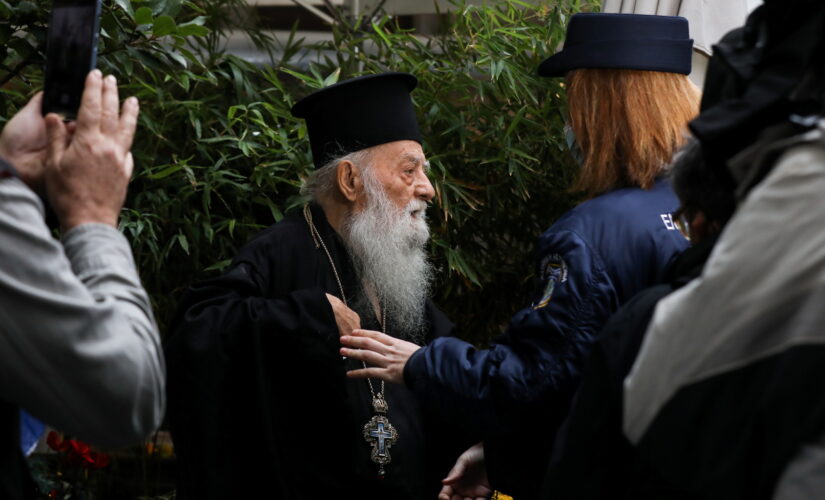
[572,145]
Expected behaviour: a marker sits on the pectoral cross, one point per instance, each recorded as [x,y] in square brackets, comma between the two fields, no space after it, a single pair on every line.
[381,435]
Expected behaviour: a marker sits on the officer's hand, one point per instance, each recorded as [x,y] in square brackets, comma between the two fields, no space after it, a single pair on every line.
[23,143]
[87,174]
[387,355]
[346,319]
[468,477]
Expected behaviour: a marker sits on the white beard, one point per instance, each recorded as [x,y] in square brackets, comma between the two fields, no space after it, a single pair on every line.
[387,246]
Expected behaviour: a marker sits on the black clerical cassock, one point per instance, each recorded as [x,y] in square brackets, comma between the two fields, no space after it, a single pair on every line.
[258,398]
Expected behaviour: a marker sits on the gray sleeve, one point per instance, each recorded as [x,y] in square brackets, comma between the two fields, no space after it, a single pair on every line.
[79,347]
[804,476]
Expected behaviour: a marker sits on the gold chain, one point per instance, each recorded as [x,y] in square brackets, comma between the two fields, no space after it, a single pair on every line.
[319,243]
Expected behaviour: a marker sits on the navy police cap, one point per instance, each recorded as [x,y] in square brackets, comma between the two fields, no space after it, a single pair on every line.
[623,41]
[359,113]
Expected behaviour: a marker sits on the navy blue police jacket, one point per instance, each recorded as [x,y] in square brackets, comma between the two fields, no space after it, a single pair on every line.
[516,393]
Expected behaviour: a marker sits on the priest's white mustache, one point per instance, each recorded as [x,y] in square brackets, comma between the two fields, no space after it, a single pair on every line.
[388,248]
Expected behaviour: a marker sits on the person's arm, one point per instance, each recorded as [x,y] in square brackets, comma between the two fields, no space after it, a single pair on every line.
[236,302]
[78,338]
[81,348]
[534,367]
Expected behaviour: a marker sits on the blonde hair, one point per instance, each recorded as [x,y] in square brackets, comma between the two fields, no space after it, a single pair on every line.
[628,124]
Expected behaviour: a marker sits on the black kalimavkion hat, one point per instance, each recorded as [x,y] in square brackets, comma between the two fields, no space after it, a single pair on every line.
[358,114]
[623,41]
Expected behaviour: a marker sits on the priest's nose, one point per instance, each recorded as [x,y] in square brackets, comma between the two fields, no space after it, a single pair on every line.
[423,188]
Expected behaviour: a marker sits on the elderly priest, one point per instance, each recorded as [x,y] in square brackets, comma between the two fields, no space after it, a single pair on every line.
[258,394]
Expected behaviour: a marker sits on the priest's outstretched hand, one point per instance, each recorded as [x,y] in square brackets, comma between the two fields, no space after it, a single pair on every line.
[468,477]
[387,355]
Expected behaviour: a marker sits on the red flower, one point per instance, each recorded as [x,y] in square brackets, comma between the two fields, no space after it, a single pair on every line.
[100,460]
[57,443]
[77,452]
[79,448]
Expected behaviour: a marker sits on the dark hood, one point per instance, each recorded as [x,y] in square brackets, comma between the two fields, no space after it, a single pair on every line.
[760,75]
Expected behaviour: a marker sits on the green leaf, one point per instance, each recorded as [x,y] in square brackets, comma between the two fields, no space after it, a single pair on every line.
[143,16]
[163,25]
[178,58]
[158,7]
[200,20]
[192,5]
[21,46]
[126,5]
[183,242]
[192,30]
[172,8]
[26,8]
[166,172]
[5,10]
[219,266]
[332,79]
[311,82]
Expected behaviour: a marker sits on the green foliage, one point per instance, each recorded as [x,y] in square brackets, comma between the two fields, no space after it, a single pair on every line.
[219,157]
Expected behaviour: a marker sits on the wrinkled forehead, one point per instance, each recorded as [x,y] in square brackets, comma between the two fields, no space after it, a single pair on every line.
[416,160]
[400,154]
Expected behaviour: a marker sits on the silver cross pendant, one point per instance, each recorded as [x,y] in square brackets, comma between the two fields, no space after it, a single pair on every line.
[381,435]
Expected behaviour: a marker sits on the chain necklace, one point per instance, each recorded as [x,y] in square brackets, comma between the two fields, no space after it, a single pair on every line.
[378,432]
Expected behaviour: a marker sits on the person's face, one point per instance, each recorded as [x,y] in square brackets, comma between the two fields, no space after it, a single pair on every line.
[401,169]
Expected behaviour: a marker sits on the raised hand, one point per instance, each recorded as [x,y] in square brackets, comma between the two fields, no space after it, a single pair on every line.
[87,173]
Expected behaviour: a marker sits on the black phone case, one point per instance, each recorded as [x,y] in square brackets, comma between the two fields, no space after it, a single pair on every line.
[56,98]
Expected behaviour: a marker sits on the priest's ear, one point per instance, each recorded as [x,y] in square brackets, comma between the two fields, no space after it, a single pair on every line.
[350,182]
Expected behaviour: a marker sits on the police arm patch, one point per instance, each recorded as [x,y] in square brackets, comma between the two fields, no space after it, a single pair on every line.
[553,273]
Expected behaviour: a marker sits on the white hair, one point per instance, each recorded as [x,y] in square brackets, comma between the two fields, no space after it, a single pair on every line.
[324,181]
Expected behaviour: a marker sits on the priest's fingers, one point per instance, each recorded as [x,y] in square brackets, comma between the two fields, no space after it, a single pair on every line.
[370,357]
[380,337]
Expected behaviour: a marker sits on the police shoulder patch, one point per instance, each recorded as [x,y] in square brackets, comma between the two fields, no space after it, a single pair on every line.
[553,271]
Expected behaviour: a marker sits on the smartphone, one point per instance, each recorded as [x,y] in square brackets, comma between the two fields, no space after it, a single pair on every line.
[71,52]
